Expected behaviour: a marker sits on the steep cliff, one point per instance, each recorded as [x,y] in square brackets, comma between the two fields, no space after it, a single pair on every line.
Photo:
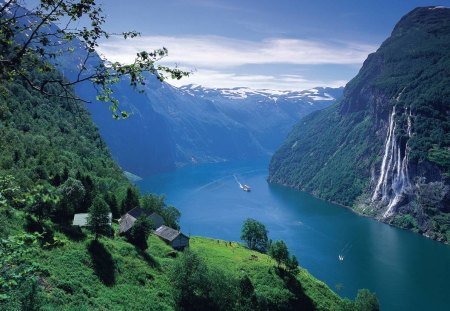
[384,149]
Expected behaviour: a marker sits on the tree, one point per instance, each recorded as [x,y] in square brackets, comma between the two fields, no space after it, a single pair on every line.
[10,192]
[31,39]
[247,300]
[72,194]
[189,278]
[292,264]
[111,200]
[153,203]
[141,231]
[89,188]
[40,201]
[279,252]
[98,218]
[171,217]
[16,269]
[254,234]
[366,301]
[131,200]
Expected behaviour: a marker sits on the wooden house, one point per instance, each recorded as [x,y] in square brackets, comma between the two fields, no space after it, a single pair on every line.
[81,219]
[126,222]
[173,237]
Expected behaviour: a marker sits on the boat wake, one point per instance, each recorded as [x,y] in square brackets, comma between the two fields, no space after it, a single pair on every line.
[240,185]
[244,187]
[344,251]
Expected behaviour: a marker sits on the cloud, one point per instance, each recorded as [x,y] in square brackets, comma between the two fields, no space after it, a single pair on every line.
[221,61]
[222,52]
[219,79]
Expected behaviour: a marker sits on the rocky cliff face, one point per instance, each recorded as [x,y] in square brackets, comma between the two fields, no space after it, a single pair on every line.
[384,149]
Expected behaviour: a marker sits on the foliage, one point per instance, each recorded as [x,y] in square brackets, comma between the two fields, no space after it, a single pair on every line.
[141,231]
[41,201]
[171,217]
[156,203]
[10,192]
[111,200]
[279,251]
[31,39]
[153,203]
[131,200]
[254,234]
[366,301]
[14,268]
[441,157]
[72,194]
[430,195]
[190,279]
[98,218]
[44,143]
[247,299]
[292,264]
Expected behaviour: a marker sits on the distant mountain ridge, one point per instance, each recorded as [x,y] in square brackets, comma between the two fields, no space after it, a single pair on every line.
[171,127]
[384,148]
[239,93]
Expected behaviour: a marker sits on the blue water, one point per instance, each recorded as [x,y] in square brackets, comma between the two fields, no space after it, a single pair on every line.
[406,270]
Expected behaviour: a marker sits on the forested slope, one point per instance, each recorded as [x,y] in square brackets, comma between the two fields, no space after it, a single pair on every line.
[384,149]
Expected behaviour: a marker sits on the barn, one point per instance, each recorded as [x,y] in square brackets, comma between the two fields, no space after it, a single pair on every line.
[173,237]
[127,221]
[81,219]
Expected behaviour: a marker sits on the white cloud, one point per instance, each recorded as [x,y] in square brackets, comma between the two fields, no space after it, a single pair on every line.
[212,78]
[222,52]
[219,61]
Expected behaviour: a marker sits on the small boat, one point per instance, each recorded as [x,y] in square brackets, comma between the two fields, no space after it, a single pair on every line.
[341,258]
[246,188]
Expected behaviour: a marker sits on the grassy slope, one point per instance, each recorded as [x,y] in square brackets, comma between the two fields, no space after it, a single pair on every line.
[117,276]
[238,260]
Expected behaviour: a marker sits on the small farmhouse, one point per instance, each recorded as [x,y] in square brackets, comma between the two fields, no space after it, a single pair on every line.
[173,237]
[81,219]
[126,222]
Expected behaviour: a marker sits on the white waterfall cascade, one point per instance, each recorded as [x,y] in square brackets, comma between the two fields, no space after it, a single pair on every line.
[393,182]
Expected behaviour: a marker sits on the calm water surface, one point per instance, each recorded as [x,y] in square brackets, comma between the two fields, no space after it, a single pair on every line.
[406,270]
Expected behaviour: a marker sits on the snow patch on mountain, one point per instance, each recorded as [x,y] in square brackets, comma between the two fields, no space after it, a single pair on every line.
[259,95]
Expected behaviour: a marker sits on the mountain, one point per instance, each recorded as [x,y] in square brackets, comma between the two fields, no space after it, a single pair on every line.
[171,127]
[268,114]
[44,138]
[384,148]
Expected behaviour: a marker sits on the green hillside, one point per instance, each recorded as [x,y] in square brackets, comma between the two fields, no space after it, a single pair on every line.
[80,274]
[46,137]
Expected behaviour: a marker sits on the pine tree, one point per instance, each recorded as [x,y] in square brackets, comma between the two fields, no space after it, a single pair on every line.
[98,219]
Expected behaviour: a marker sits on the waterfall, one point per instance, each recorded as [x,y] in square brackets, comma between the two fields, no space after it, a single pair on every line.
[387,152]
[393,182]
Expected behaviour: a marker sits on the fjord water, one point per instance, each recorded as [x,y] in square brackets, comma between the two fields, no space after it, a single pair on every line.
[406,270]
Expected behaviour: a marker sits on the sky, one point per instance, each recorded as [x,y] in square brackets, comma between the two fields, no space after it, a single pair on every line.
[276,44]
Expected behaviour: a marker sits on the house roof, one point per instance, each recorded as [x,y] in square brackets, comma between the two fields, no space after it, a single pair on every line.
[156,219]
[81,219]
[137,212]
[168,234]
[127,221]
